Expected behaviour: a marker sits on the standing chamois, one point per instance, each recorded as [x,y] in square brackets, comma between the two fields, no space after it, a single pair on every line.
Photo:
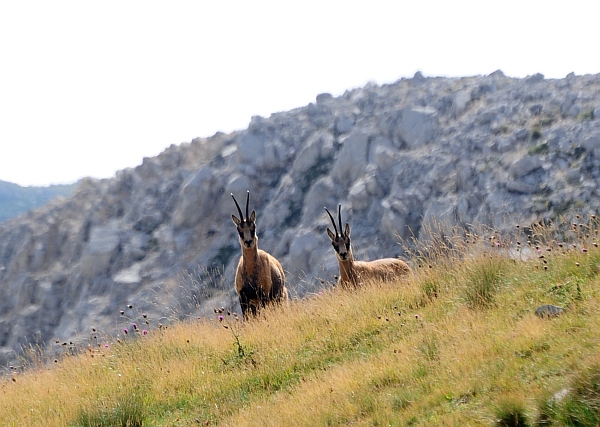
[259,278]
[354,273]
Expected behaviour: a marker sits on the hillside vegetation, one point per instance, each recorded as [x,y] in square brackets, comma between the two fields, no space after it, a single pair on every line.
[457,344]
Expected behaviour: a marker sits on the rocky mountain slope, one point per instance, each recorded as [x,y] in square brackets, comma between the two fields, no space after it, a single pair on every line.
[159,238]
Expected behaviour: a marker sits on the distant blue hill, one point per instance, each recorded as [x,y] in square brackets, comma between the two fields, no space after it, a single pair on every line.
[15,200]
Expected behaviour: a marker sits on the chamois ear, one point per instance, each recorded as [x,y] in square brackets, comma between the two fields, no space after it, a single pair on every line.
[236,221]
[330,234]
[347,230]
[253,216]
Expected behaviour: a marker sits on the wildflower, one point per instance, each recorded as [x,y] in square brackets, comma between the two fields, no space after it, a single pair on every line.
[221,318]
[107,346]
[144,332]
[584,250]
[416,316]
[134,325]
[497,244]
[125,330]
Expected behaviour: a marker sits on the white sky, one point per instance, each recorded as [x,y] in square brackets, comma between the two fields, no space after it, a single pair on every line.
[88,88]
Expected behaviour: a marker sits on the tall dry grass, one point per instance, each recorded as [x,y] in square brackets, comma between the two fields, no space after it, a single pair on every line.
[458,344]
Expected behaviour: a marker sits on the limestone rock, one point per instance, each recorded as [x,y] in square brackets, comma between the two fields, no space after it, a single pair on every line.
[418,126]
[549,310]
[352,159]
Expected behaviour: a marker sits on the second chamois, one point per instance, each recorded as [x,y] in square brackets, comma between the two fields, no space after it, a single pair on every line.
[354,273]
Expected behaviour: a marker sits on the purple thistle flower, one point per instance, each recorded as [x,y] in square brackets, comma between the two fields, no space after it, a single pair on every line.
[125,330]
[221,318]
[144,332]
[107,345]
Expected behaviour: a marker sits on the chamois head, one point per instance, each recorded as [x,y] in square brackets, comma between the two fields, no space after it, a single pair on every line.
[246,228]
[340,242]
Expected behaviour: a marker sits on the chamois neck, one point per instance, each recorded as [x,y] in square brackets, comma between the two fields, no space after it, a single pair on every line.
[347,273]
[250,256]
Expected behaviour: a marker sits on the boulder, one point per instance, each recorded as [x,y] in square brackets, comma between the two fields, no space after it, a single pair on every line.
[103,245]
[352,160]
[524,166]
[418,126]
[549,310]
[196,198]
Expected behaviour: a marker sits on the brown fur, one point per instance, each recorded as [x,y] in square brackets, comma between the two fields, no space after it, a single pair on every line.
[259,277]
[354,273]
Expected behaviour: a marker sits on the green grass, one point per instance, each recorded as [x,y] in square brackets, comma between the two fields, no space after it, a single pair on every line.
[456,345]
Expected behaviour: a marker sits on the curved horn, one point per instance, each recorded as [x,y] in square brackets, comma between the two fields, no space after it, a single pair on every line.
[333,222]
[238,208]
[340,216]
[247,201]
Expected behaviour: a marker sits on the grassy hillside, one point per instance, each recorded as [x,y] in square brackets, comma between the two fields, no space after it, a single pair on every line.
[457,345]
[15,199]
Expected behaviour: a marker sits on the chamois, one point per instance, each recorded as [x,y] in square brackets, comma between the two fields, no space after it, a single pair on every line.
[259,277]
[353,273]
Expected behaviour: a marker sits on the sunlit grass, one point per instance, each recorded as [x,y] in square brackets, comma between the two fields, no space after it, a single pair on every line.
[458,344]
